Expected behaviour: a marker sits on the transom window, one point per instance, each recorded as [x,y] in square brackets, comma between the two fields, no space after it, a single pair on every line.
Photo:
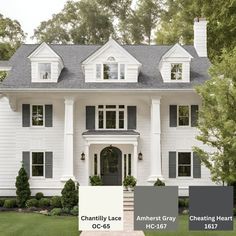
[176,71]
[183,115]
[184,164]
[37,115]
[111,117]
[45,71]
[37,164]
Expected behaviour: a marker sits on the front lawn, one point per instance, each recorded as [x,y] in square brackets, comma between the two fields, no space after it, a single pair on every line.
[32,224]
[183,230]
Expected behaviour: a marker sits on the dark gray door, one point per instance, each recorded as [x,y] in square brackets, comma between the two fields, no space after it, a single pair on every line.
[111,166]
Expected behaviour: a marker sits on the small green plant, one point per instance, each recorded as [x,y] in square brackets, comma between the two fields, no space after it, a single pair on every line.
[95,180]
[234,211]
[56,212]
[44,202]
[74,211]
[10,203]
[159,183]
[69,194]
[66,210]
[183,202]
[129,181]
[39,195]
[32,203]
[55,202]
[2,202]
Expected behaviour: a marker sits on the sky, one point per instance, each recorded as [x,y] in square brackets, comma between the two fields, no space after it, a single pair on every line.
[30,12]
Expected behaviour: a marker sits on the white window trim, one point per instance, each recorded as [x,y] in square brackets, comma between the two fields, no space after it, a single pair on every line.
[189,123]
[38,72]
[31,162]
[104,109]
[177,164]
[31,113]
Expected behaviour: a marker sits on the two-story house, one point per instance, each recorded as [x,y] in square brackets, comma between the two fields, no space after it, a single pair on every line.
[73,111]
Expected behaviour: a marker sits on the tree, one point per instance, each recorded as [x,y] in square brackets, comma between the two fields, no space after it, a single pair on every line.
[11,37]
[176,24]
[22,187]
[83,22]
[217,119]
[69,195]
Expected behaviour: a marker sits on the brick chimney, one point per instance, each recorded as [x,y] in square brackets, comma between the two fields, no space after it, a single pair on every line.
[200,36]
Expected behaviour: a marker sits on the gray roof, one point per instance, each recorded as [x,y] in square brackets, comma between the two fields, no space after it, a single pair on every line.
[4,63]
[72,76]
[111,132]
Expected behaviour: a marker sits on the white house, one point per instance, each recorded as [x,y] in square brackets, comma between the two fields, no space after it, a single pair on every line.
[72,111]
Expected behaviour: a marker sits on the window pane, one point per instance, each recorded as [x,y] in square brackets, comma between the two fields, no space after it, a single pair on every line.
[110,119]
[121,119]
[37,115]
[100,106]
[184,157]
[98,71]
[125,170]
[122,71]
[183,115]
[45,70]
[37,171]
[129,164]
[110,71]
[121,106]
[111,106]
[176,71]
[100,119]
[95,164]
[37,158]
[184,171]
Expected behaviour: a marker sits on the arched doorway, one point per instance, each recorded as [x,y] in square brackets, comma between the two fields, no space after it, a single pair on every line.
[111,166]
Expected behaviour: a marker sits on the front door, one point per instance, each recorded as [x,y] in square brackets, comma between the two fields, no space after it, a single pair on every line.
[111,166]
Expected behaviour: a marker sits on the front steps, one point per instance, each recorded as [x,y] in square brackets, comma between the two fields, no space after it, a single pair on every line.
[128,201]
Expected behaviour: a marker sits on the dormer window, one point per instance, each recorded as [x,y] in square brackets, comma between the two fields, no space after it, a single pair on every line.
[45,71]
[110,71]
[176,71]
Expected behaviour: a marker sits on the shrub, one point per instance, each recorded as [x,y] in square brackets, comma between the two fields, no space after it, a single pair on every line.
[44,202]
[39,195]
[1,202]
[69,195]
[181,202]
[234,211]
[9,203]
[74,211]
[129,181]
[66,210]
[56,212]
[22,187]
[55,202]
[186,202]
[32,203]
[95,180]
[159,183]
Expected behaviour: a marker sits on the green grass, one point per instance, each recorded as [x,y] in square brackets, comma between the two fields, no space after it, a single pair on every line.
[183,230]
[32,224]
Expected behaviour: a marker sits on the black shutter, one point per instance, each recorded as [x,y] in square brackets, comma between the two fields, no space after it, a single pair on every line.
[90,117]
[26,162]
[173,115]
[26,115]
[196,166]
[132,117]
[48,164]
[48,115]
[172,164]
[194,115]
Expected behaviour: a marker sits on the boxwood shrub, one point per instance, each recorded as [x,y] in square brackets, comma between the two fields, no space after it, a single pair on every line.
[32,203]
[74,211]
[1,202]
[44,202]
[39,195]
[10,203]
[56,212]
[55,202]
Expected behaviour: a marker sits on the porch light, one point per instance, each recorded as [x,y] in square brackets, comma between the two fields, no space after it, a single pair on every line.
[140,156]
[82,156]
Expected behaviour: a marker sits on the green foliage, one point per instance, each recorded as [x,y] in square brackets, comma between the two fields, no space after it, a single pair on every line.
[22,187]
[66,210]
[39,195]
[55,202]
[33,202]
[234,211]
[74,211]
[69,194]
[3,75]
[10,203]
[56,212]
[129,181]
[44,202]
[183,202]
[159,183]
[217,119]
[1,202]
[95,180]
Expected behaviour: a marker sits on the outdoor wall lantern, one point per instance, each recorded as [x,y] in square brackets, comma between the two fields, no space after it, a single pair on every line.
[82,156]
[140,156]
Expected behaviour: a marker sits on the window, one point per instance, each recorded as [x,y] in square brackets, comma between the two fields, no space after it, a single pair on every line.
[44,71]
[95,164]
[122,71]
[37,164]
[183,117]
[37,115]
[176,71]
[111,117]
[110,71]
[184,164]
[127,165]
